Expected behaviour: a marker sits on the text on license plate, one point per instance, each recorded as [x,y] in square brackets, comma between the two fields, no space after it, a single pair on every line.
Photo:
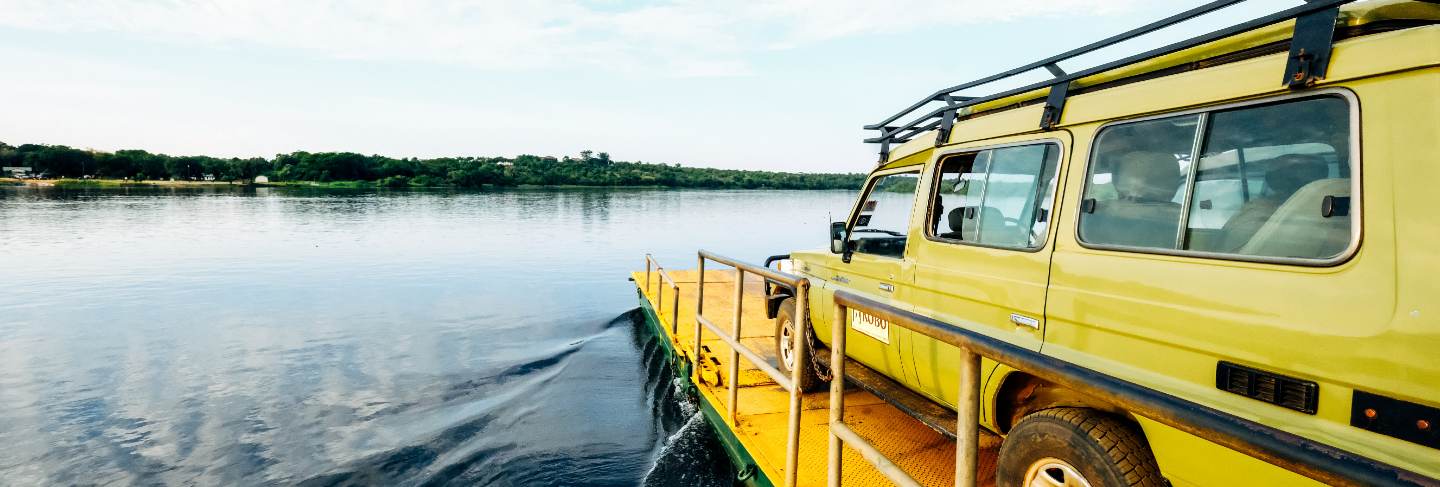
[870,325]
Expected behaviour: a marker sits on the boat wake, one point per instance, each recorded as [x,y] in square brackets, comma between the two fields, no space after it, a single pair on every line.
[690,454]
[565,416]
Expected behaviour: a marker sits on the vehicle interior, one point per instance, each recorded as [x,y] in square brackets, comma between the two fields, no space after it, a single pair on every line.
[995,197]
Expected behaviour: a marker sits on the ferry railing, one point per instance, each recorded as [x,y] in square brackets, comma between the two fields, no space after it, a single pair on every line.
[1310,458]
[789,383]
[664,278]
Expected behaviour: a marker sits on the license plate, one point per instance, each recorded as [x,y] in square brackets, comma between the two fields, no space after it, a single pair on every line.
[871,326]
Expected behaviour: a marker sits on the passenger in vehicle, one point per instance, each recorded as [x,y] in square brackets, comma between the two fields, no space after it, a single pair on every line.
[1145,214]
[1286,175]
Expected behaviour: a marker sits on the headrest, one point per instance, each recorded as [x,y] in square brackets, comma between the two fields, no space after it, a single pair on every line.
[1147,175]
[956,219]
[1290,172]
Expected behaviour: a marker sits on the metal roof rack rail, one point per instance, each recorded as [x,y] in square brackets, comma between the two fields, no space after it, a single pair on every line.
[1309,58]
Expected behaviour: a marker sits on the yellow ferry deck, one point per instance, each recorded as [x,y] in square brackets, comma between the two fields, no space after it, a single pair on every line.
[756,439]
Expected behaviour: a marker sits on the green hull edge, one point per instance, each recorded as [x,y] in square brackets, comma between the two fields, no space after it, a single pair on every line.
[748,473]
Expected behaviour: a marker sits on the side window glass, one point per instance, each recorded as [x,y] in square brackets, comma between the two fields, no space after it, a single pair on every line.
[959,194]
[884,217]
[1264,178]
[998,197]
[1017,196]
[1136,179]
[1271,181]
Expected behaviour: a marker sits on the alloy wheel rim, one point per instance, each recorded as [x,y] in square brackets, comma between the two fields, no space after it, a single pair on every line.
[1053,472]
[786,345]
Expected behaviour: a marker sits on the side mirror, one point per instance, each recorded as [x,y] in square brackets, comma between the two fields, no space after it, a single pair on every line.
[837,237]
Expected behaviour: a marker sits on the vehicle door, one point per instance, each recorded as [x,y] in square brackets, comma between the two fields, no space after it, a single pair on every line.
[983,262]
[875,265]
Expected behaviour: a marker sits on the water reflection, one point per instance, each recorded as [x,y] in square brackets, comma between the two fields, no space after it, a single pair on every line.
[254,336]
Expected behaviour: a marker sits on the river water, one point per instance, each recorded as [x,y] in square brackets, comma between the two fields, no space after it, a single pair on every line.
[279,336]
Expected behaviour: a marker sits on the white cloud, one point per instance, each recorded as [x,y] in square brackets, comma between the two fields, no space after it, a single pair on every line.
[678,38]
[816,20]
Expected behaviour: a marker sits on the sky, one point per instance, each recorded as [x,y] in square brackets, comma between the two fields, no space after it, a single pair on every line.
[772,85]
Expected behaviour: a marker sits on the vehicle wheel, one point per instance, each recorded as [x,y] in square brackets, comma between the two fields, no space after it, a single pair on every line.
[1075,447]
[785,334]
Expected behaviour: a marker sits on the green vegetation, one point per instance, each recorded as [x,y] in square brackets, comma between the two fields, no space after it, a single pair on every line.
[898,183]
[347,169]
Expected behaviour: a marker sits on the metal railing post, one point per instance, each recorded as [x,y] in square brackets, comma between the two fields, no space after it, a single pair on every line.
[700,287]
[662,277]
[802,319]
[699,311]
[837,393]
[967,424]
[735,332]
[675,310]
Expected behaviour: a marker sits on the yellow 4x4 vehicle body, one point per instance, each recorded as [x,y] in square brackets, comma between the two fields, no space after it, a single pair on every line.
[1365,320]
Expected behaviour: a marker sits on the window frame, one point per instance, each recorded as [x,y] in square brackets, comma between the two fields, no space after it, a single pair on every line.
[1054,197]
[859,206]
[1356,171]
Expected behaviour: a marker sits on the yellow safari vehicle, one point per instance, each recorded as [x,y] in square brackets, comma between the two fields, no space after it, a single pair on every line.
[1246,223]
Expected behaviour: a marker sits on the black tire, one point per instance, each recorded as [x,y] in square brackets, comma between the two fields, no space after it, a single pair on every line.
[784,329]
[1063,443]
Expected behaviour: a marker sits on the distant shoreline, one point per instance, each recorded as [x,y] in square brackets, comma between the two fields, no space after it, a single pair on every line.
[108,183]
[127,183]
[349,170]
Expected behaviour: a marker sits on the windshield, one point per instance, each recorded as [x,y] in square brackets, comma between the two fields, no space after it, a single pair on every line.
[884,217]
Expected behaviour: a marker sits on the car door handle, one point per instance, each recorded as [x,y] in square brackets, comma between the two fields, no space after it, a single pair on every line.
[887,287]
[1021,320]
[840,279]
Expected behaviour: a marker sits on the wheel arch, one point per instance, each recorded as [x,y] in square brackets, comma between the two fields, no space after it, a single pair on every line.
[777,295]
[1021,394]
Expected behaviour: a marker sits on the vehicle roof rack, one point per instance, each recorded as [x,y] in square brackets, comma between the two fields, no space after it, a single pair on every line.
[1309,58]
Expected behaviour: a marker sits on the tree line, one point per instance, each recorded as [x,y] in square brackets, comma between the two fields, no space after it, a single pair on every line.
[589,169]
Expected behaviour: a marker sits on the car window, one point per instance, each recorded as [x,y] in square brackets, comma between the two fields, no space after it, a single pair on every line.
[1134,191]
[996,197]
[1271,181]
[881,225]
